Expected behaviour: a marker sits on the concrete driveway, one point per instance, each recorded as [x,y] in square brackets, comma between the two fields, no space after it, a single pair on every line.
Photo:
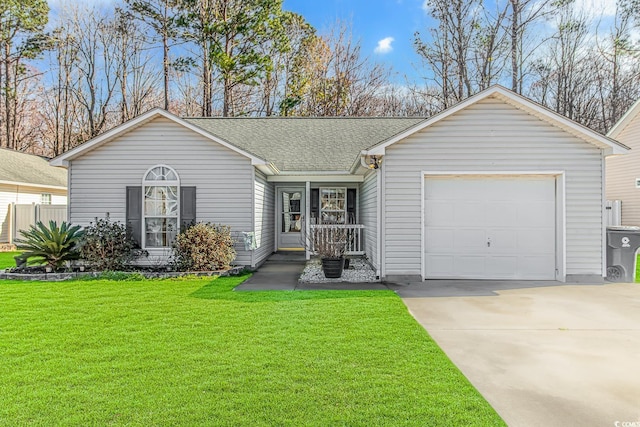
[542,354]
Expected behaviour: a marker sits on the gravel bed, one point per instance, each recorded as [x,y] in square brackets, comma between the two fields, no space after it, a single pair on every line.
[358,272]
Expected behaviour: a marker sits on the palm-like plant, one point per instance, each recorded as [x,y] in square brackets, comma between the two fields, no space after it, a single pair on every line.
[53,245]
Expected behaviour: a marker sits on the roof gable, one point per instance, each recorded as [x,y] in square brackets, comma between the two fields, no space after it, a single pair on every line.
[609,145]
[27,169]
[64,159]
[625,120]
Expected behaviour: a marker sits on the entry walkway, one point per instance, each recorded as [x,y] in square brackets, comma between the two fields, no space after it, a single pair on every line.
[282,270]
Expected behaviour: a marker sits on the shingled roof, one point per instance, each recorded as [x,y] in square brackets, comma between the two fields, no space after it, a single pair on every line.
[27,169]
[305,143]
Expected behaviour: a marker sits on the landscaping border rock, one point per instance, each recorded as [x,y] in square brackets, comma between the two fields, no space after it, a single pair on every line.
[359,271]
[58,277]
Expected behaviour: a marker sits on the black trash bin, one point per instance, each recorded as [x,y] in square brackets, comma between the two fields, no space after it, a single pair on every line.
[622,245]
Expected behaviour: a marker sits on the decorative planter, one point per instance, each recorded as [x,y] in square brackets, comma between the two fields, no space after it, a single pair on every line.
[332,267]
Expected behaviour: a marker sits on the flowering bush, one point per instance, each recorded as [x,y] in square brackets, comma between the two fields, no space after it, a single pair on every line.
[203,247]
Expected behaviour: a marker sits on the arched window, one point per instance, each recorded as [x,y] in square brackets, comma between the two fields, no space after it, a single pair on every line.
[161,206]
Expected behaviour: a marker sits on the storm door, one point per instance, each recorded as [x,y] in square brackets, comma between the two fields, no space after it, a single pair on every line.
[291,208]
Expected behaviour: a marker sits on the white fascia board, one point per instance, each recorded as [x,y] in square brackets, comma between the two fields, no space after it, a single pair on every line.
[63,159]
[624,121]
[517,101]
[268,169]
[339,177]
[30,184]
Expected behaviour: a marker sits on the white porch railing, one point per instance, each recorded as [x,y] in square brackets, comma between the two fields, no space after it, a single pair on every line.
[355,233]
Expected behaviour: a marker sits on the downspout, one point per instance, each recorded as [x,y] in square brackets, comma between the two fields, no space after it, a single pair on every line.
[603,192]
[253,214]
[380,271]
[307,215]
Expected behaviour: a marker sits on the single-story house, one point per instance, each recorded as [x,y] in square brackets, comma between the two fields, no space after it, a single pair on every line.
[623,172]
[495,187]
[27,179]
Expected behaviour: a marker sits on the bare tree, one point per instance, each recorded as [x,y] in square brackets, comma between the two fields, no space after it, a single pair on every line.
[162,17]
[134,67]
[524,15]
[336,79]
[21,39]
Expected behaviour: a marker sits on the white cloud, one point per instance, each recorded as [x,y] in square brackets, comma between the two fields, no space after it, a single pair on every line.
[596,8]
[384,45]
[425,6]
[58,4]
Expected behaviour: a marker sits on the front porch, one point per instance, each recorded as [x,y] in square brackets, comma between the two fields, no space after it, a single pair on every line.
[319,210]
[327,232]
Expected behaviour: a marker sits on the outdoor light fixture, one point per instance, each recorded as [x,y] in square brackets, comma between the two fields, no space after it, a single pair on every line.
[374,162]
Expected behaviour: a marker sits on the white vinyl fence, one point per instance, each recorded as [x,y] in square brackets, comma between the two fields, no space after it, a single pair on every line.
[613,213]
[24,216]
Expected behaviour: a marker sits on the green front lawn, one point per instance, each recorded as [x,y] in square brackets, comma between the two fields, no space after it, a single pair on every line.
[6,259]
[193,352]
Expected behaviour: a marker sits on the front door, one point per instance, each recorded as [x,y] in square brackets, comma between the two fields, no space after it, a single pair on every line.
[291,209]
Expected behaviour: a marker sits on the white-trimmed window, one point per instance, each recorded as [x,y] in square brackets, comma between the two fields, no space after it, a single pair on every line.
[160,206]
[45,198]
[333,205]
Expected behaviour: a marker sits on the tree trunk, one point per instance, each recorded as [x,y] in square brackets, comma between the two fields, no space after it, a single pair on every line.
[165,68]
[515,69]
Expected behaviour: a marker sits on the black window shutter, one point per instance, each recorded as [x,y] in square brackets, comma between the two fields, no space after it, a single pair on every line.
[187,207]
[351,205]
[134,213]
[315,204]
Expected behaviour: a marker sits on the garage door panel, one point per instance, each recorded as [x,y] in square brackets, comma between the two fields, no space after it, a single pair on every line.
[502,240]
[441,240]
[439,213]
[502,266]
[471,214]
[490,227]
[469,265]
[501,213]
[440,265]
[531,267]
[469,240]
[534,240]
[536,214]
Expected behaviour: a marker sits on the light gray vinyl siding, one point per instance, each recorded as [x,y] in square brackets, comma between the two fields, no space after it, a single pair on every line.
[622,172]
[264,218]
[369,215]
[222,177]
[492,136]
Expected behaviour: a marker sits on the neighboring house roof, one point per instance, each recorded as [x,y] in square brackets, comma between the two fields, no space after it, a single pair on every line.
[624,121]
[26,169]
[310,144]
[606,143]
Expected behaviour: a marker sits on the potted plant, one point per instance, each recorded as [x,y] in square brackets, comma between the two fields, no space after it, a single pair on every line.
[330,244]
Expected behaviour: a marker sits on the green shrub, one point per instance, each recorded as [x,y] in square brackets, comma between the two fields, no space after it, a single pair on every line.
[203,247]
[106,245]
[52,245]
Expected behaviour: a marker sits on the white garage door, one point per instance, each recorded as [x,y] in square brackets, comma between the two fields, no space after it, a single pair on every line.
[490,227]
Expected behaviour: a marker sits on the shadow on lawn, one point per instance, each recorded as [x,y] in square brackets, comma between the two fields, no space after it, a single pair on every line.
[218,290]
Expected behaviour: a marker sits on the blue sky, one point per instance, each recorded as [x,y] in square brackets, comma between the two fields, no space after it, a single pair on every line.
[385,28]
